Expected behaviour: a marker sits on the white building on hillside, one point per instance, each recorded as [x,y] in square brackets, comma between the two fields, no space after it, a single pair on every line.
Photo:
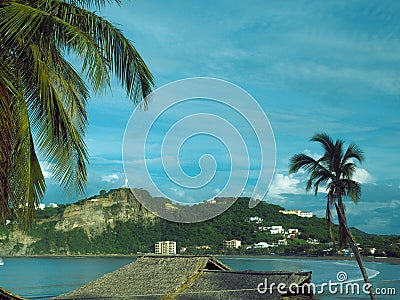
[305,214]
[302,214]
[256,219]
[165,247]
[232,244]
[276,229]
[262,245]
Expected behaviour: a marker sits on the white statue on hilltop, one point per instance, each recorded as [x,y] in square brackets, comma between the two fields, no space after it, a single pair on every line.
[126,183]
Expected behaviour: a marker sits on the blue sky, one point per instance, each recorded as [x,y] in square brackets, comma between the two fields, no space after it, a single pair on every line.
[328,66]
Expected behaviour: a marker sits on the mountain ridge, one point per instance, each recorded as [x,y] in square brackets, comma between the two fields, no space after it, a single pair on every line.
[117,223]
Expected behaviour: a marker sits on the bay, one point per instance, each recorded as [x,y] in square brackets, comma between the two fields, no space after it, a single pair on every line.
[43,278]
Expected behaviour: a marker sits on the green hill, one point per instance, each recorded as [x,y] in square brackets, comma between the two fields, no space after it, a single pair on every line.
[116,223]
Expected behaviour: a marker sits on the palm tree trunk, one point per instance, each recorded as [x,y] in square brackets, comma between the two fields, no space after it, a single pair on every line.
[354,248]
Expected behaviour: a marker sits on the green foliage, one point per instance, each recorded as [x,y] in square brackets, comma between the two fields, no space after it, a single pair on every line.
[43,98]
[47,213]
[140,235]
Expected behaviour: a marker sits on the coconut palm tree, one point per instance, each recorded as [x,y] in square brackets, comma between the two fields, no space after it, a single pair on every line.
[43,97]
[334,171]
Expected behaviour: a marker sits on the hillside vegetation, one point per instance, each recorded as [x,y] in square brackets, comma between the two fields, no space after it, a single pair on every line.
[116,223]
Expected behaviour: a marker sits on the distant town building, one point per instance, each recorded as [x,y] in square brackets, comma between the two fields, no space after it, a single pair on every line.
[54,205]
[298,212]
[276,229]
[94,200]
[256,219]
[347,252]
[282,242]
[313,241]
[232,244]
[304,214]
[41,206]
[262,228]
[262,245]
[165,247]
[207,247]
[293,230]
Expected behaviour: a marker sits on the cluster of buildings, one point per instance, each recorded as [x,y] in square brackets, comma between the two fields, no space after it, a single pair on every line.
[237,244]
[278,229]
[275,229]
[299,213]
[169,247]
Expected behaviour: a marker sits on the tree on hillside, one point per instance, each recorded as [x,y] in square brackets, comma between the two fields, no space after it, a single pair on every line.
[43,98]
[334,171]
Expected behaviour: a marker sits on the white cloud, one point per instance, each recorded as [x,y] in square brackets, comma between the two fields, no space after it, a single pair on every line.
[46,171]
[47,174]
[363,176]
[112,178]
[315,156]
[284,184]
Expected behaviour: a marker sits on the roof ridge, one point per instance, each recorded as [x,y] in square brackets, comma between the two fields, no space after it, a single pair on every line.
[251,272]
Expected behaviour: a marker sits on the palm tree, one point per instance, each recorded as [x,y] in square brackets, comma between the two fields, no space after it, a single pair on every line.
[334,171]
[43,97]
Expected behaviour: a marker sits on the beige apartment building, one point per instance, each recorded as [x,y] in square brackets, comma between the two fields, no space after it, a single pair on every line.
[232,244]
[165,247]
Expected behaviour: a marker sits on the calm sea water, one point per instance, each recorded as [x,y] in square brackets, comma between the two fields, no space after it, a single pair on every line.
[42,278]
[382,275]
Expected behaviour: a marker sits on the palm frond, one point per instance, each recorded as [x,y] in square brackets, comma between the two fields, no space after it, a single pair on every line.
[322,180]
[353,151]
[6,144]
[93,3]
[352,189]
[327,143]
[348,170]
[23,21]
[302,161]
[27,181]
[58,138]
[125,61]
[43,98]
[337,157]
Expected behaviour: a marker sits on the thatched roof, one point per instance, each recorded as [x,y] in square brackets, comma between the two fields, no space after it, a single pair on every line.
[181,277]
[242,285]
[6,295]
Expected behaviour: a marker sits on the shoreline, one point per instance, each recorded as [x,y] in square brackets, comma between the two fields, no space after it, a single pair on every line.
[389,260]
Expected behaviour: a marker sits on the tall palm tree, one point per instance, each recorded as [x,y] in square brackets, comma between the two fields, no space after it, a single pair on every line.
[334,171]
[43,97]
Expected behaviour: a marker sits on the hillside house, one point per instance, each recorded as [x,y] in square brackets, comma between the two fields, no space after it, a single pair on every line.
[276,229]
[232,244]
